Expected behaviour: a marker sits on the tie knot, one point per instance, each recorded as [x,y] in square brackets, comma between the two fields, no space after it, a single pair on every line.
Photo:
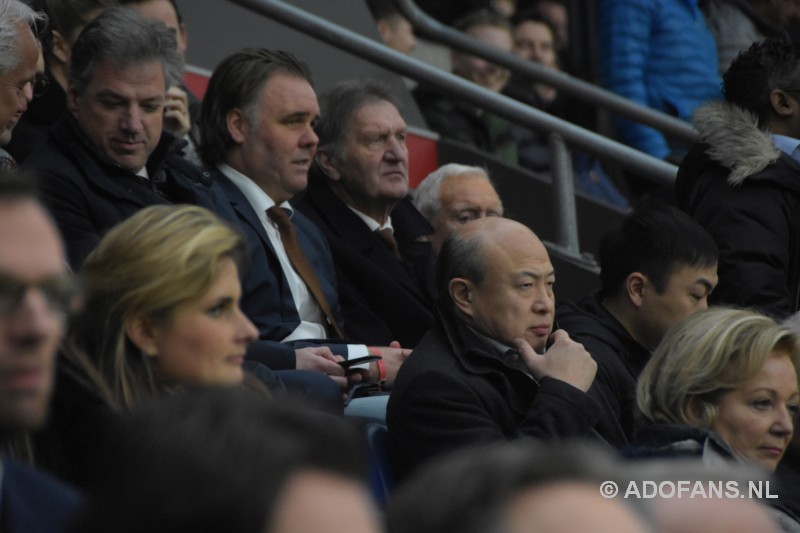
[279,216]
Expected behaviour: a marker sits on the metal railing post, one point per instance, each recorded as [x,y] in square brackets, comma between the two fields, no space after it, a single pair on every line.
[563,195]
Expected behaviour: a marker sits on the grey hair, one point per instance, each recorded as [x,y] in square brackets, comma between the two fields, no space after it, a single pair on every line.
[12,14]
[338,107]
[426,195]
[123,37]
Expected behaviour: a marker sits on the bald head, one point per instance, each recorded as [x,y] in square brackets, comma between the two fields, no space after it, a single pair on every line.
[496,275]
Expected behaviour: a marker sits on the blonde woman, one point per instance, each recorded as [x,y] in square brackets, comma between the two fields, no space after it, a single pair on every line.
[161,311]
[723,385]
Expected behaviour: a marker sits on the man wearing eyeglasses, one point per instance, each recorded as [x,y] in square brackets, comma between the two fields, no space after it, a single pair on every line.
[35,295]
[18,68]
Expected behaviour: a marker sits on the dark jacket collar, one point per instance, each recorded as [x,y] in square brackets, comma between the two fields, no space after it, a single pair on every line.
[475,354]
[167,145]
[610,331]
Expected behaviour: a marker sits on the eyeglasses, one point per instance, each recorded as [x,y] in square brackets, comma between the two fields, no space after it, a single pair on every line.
[39,85]
[61,292]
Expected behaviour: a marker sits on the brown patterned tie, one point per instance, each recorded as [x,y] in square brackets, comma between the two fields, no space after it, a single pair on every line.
[387,236]
[300,263]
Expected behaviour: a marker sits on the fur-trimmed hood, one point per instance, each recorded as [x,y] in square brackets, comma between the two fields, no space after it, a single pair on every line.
[735,140]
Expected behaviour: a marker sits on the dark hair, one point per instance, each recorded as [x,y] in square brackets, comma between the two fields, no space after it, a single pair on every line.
[475,486]
[534,15]
[18,185]
[213,460]
[67,17]
[172,2]
[773,63]
[339,104]
[383,10]
[123,37]
[481,17]
[237,82]
[459,257]
[655,240]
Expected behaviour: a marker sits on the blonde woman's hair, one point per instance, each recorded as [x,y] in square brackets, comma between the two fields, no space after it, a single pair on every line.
[160,258]
[705,355]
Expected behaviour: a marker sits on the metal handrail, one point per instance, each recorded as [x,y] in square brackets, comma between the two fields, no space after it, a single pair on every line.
[432,29]
[649,167]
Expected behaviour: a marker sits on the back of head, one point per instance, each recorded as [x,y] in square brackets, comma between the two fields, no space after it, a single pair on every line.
[14,13]
[16,186]
[655,240]
[67,17]
[773,63]
[237,82]
[339,104]
[475,488]
[704,355]
[214,461]
[122,37]
[146,267]
[383,10]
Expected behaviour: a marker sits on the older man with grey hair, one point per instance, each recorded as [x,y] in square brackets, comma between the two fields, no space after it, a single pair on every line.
[454,194]
[110,155]
[19,57]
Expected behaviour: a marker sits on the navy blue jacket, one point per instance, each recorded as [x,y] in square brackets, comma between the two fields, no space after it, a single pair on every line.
[266,298]
[34,502]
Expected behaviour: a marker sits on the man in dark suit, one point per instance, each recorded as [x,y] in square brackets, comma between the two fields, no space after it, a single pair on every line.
[110,155]
[257,138]
[35,296]
[357,195]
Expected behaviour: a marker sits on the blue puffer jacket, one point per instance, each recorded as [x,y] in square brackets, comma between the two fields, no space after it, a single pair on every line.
[659,53]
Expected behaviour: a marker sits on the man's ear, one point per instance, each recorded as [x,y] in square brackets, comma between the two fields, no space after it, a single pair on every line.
[385,29]
[328,165]
[61,47]
[781,103]
[634,288]
[141,332]
[461,291]
[237,125]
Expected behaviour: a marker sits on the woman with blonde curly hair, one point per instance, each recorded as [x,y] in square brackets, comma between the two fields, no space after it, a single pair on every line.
[722,382]
[723,385]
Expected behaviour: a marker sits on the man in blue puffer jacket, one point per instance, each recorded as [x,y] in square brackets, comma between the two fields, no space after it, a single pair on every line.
[659,53]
